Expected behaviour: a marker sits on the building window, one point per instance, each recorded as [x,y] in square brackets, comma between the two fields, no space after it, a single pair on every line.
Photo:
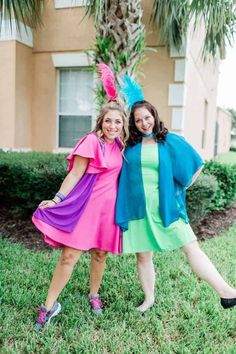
[75,108]
[204,124]
[63,4]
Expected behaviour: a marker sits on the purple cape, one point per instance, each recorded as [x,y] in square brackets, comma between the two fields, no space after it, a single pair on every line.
[65,215]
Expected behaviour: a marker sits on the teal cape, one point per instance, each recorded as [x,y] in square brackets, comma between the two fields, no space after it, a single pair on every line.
[178,162]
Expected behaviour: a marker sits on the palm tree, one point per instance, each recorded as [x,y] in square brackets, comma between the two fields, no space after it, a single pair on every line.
[173,17]
[120,34]
[120,37]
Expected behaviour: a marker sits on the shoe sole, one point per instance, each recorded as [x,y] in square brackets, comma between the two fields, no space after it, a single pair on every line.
[40,330]
[55,313]
[97,312]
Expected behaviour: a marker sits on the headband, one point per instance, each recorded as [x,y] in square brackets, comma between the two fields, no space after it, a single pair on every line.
[108,81]
[132,91]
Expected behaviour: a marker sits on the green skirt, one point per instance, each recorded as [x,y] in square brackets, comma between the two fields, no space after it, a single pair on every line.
[149,234]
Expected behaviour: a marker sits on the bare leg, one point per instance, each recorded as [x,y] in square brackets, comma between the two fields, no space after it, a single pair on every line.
[62,274]
[97,268]
[203,267]
[146,274]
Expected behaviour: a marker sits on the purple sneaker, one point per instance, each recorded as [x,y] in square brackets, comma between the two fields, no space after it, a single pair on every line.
[45,316]
[96,304]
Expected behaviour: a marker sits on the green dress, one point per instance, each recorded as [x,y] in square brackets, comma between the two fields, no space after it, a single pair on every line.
[149,234]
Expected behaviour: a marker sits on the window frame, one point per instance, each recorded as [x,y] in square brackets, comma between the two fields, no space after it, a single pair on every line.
[66,4]
[93,117]
[204,126]
[70,60]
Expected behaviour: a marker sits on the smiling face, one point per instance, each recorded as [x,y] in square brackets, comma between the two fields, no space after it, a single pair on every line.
[144,121]
[112,125]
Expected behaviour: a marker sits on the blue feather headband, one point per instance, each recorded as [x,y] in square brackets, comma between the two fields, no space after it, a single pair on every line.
[131,90]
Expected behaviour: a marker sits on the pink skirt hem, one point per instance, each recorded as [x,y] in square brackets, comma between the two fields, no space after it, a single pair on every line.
[58,239]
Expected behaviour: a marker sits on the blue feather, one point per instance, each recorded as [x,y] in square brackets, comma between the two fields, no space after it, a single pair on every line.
[131,90]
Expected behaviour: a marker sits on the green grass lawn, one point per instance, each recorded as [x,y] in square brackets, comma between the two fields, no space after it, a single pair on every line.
[227,157]
[186,318]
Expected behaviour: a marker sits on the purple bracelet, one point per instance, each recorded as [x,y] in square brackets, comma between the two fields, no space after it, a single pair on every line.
[60,196]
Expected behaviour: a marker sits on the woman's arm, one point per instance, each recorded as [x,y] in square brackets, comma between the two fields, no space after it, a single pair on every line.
[186,161]
[73,177]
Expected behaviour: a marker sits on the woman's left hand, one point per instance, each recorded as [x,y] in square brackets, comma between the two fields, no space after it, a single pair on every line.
[46,204]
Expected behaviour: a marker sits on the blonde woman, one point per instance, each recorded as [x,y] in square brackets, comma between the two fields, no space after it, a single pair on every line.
[80,217]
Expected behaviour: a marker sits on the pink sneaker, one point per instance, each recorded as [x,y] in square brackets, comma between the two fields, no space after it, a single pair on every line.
[96,304]
[44,316]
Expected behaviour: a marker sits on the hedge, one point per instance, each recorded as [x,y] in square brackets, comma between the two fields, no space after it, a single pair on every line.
[200,197]
[226,178]
[28,178]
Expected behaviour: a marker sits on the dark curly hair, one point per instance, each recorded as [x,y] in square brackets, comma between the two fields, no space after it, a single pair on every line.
[159,130]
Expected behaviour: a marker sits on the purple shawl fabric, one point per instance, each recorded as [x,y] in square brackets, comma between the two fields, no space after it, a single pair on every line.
[65,215]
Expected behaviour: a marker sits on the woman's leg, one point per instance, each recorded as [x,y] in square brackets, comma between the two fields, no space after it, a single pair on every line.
[146,274]
[203,267]
[62,274]
[97,268]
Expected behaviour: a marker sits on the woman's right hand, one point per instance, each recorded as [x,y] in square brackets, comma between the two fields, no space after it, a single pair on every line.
[46,204]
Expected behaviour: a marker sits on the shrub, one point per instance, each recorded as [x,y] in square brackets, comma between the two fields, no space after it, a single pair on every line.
[232,149]
[200,196]
[28,178]
[226,178]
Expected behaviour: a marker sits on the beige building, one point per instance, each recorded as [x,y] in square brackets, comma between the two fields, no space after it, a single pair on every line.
[47,84]
[223,130]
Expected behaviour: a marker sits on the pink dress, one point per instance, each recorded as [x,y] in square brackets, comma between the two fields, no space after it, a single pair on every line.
[96,227]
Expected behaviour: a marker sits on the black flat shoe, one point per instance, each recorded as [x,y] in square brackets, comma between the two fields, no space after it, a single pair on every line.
[227,303]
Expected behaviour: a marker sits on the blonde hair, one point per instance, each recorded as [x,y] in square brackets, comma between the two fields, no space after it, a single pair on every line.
[112,106]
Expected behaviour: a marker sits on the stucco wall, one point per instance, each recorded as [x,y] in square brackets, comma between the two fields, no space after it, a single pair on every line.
[7,93]
[224,120]
[200,111]
[63,30]
[23,96]
[158,70]
[44,103]
[201,93]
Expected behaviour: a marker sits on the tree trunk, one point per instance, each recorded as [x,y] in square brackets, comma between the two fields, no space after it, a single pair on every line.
[122,32]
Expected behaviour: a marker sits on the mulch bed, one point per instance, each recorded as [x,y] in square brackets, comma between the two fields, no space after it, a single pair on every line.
[214,223]
[21,230]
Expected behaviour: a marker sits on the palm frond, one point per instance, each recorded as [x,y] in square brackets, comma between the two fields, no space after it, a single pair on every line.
[26,11]
[172,19]
[219,18]
[220,22]
[98,9]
